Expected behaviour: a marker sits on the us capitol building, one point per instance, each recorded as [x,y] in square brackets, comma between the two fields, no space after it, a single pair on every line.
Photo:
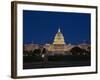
[58,46]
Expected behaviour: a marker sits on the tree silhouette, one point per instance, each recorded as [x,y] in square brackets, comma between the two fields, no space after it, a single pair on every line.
[76,51]
[25,53]
[43,51]
[37,52]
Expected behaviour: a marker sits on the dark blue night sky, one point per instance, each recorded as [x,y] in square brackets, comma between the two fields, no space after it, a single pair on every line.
[40,27]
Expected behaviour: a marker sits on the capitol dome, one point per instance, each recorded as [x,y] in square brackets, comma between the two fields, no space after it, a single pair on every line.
[59,39]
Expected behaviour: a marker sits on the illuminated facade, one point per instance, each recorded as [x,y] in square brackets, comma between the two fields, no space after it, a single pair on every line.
[59,46]
[30,47]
